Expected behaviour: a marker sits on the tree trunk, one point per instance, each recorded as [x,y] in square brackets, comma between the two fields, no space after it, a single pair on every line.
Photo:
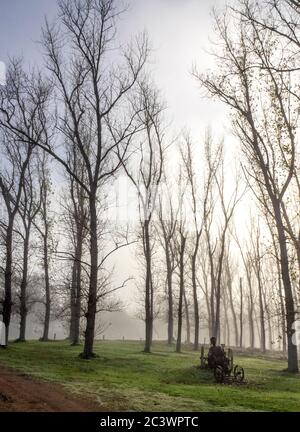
[257,323]
[282,308]
[170,296]
[260,298]
[213,289]
[218,289]
[228,342]
[76,339]
[181,292]
[148,291]
[45,336]
[283,321]
[289,301]
[233,313]
[226,334]
[270,334]
[92,298]
[250,311]
[196,305]
[261,317]
[7,303]
[187,319]
[241,313]
[76,290]
[151,303]
[72,303]
[23,293]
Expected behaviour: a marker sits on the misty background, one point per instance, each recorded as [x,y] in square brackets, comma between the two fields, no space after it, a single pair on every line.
[179,34]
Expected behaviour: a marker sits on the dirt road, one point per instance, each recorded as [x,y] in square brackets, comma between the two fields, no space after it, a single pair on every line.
[19,392]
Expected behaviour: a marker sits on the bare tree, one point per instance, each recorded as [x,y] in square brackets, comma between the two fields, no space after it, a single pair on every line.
[181,268]
[76,221]
[246,257]
[198,221]
[44,225]
[28,210]
[229,289]
[167,226]
[146,179]
[241,312]
[282,317]
[257,264]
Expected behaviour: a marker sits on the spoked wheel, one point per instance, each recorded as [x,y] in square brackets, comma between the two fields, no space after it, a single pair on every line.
[219,374]
[238,373]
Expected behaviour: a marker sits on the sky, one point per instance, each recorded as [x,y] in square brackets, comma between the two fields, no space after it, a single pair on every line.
[179,32]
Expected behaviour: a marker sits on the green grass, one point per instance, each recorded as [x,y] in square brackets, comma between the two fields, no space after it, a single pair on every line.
[122,377]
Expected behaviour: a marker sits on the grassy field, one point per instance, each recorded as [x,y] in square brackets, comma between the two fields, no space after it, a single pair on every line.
[124,378]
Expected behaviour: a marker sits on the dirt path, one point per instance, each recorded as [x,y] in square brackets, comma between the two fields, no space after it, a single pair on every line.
[20,392]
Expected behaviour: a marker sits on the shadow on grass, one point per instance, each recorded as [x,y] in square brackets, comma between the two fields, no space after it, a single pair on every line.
[285,373]
[189,376]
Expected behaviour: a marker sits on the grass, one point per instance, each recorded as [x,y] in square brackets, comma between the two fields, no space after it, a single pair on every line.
[122,377]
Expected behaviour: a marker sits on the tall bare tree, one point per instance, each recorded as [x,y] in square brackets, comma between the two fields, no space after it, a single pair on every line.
[198,221]
[146,178]
[181,245]
[75,213]
[43,225]
[28,210]
[167,226]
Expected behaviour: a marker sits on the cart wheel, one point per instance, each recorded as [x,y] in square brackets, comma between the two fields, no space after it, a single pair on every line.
[219,374]
[238,373]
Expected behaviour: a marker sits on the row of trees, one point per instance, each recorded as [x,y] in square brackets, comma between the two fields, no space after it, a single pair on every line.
[258,78]
[95,115]
[209,277]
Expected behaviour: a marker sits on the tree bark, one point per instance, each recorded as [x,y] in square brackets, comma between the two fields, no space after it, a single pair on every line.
[45,336]
[241,313]
[187,318]
[148,290]
[181,292]
[23,288]
[92,298]
[76,289]
[283,320]
[289,300]
[251,318]
[7,303]
[170,295]
[72,303]
[76,339]
[218,287]
[195,298]
[282,307]
[233,313]
[261,317]
[212,283]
